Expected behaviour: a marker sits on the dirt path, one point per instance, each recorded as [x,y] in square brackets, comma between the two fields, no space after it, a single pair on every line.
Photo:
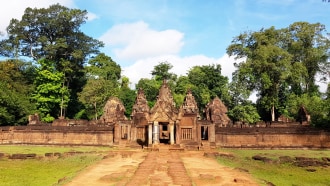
[207,171]
[158,168]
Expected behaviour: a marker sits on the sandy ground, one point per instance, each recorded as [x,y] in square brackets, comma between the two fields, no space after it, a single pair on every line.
[160,168]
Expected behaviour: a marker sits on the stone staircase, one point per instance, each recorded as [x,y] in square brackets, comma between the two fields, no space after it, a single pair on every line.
[206,145]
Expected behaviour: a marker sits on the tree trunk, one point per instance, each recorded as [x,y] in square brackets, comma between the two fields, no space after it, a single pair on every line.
[273,113]
[62,101]
[95,110]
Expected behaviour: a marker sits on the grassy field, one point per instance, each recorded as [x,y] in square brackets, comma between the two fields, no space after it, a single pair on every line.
[279,173]
[45,171]
[41,150]
[48,171]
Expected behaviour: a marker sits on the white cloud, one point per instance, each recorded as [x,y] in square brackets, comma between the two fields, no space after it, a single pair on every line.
[135,41]
[181,65]
[15,9]
[91,16]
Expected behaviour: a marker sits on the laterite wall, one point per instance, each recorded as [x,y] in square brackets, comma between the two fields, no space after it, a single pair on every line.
[57,135]
[296,137]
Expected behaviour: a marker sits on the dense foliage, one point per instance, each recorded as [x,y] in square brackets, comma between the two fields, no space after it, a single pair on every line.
[54,34]
[282,66]
[68,77]
[15,86]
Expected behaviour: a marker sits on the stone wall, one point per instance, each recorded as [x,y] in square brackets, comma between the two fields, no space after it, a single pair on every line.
[51,135]
[258,137]
[295,137]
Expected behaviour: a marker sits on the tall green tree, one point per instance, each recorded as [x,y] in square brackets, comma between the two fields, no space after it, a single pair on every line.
[15,89]
[282,61]
[208,83]
[309,46]
[127,95]
[247,114]
[267,65]
[162,72]
[103,76]
[182,85]
[50,93]
[150,88]
[54,34]
[103,67]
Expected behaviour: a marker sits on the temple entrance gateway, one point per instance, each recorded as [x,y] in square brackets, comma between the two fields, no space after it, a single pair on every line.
[165,123]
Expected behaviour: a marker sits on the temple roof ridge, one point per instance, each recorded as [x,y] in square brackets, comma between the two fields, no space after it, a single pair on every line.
[164,108]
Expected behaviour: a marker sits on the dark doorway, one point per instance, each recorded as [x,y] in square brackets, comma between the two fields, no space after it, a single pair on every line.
[204,133]
[164,133]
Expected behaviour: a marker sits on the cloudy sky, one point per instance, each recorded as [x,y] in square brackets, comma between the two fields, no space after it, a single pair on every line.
[138,34]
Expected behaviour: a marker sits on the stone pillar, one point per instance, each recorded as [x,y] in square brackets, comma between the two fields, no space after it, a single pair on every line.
[150,134]
[128,132]
[212,133]
[132,133]
[117,133]
[156,133]
[171,133]
[178,134]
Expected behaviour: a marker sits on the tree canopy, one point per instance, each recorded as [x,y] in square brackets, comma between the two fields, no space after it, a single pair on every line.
[280,63]
[68,77]
[102,82]
[15,88]
[54,34]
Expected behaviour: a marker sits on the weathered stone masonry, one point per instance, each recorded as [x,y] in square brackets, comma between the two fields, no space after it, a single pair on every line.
[167,124]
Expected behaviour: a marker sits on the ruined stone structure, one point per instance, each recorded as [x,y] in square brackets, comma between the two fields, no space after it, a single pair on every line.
[114,111]
[165,123]
[216,112]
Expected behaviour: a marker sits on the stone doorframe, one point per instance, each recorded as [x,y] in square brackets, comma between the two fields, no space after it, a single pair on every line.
[210,131]
[153,133]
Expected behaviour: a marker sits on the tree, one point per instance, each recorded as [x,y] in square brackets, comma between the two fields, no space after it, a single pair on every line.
[317,108]
[54,34]
[309,45]
[208,83]
[238,90]
[161,72]
[15,89]
[102,82]
[50,93]
[244,113]
[127,96]
[150,88]
[267,65]
[182,85]
[282,61]
[94,95]
[103,67]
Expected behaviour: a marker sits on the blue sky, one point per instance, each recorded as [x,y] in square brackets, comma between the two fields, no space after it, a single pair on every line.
[141,33]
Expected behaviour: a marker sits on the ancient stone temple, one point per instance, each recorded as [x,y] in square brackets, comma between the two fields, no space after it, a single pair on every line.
[216,112]
[163,117]
[113,111]
[164,123]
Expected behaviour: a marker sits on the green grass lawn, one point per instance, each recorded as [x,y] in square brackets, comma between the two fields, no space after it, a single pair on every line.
[277,173]
[41,150]
[45,171]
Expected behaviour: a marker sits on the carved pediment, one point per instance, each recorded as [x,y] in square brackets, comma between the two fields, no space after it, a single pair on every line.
[113,111]
[189,105]
[141,104]
[216,111]
[164,108]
